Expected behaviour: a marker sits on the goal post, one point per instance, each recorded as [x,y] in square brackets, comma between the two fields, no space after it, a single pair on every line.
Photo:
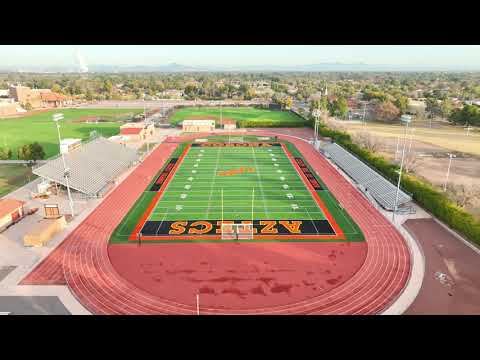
[242,231]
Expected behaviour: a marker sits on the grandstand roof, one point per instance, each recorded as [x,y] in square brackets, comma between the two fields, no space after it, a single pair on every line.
[382,190]
[92,166]
[198,122]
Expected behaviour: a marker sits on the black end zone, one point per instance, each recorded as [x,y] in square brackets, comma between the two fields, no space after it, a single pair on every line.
[263,227]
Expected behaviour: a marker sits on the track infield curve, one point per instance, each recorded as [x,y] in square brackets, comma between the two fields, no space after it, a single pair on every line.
[354,278]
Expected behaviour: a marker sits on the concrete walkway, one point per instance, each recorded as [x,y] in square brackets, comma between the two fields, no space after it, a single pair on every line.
[6,162]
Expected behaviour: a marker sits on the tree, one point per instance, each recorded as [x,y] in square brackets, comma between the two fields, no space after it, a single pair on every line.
[31,152]
[24,152]
[469,114]
[320,104]
[28,106]
[5,154]
[37,152]
[411,161]
[446,108]
[401,103]
[386,111]
[339,107]
[56,88]
[432,106]
[463,195]
[288,102]
[368,141]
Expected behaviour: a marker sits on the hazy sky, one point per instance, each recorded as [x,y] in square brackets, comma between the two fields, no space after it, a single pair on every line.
[53,55]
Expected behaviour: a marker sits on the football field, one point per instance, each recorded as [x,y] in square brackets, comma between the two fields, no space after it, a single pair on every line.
[209,189]
[256,182]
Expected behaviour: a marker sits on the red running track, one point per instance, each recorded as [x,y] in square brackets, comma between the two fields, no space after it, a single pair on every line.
[89,273]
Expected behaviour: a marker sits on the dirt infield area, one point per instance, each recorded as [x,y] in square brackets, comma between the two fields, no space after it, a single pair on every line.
[452,278]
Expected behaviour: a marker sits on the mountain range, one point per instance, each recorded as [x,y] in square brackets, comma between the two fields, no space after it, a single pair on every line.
[180,68]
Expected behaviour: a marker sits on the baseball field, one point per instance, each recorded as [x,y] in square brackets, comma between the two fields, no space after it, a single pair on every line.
[15,132]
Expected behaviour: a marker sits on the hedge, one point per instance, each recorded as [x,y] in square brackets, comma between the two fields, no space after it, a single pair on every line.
[423,193]
[269,123]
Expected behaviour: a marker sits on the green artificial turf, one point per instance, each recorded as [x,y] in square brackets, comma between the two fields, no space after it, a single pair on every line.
[251,117]
[15,132]
[204,197]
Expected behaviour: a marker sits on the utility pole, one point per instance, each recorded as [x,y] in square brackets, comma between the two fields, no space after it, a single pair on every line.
[411,139]
[448,171]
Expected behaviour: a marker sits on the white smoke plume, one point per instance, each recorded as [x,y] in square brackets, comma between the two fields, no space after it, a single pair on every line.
[83,68]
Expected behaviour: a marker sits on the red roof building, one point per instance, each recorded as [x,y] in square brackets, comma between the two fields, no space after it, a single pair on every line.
[51,99]
[10,211]
[130,131]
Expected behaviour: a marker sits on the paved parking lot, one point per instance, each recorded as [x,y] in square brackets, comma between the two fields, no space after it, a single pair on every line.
[32,305]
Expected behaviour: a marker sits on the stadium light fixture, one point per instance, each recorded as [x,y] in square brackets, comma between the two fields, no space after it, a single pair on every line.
[66,170]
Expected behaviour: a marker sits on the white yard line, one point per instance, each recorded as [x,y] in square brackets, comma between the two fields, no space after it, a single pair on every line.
[213,182]
[260,182]
[313,222]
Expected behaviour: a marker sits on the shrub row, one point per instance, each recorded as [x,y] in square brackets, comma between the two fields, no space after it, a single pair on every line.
[269,123]
[423,193]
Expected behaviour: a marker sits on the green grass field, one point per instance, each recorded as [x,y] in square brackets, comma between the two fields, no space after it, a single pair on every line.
[40,127]
[195,191]
[245,116]
[13,176]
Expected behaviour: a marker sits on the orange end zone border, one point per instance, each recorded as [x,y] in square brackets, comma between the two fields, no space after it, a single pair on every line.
[339,235]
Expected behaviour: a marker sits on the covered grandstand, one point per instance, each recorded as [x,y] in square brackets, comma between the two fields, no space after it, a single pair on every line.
[93,167]
[382,190]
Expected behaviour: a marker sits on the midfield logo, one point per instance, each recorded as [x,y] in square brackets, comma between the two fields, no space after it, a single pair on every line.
[236,171]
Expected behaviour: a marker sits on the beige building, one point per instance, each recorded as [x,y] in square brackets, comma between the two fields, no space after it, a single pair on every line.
[198,125]
[137,131]
[416,107]
[8,108]
[24,95]
[11,210]
[229,124]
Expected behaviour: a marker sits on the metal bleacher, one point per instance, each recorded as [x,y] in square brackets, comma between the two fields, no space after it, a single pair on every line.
[382,190]
[93,166]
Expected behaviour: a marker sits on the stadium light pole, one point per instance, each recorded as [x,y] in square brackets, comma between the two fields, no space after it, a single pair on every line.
[398,143]
[406,119]
[411,139]
[66,170]
[448,171]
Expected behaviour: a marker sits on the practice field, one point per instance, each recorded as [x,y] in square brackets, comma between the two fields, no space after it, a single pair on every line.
[15,132]
[206,187]
[245,116]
